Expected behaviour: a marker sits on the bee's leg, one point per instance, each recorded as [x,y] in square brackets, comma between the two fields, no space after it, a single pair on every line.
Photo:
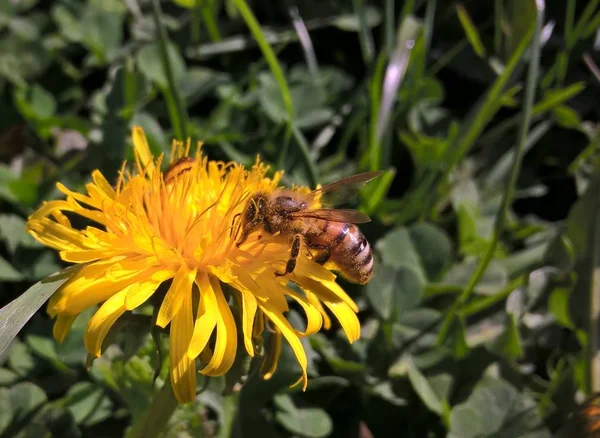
[246,230]
[291,263]
[232,225]
[325,255]
[243,237]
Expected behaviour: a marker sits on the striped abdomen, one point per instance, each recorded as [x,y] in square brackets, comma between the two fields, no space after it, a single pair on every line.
[349,249]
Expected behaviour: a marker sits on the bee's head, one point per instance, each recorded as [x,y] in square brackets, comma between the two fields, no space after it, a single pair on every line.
[255,209]
[253,215]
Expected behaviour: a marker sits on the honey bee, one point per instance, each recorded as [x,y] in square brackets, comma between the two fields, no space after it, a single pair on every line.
[178,168]
[329,233]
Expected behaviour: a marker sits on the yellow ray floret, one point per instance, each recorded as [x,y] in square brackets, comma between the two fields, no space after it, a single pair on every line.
[179,226]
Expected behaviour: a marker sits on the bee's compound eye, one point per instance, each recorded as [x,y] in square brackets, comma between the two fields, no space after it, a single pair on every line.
[251,212]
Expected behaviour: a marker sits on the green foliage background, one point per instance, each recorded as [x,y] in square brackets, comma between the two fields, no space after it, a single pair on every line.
[480,320]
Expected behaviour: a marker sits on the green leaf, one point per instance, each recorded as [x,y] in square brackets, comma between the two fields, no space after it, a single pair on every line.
[457,339]
[101,32]
[199,82]
[189,4]
[583,230]
[433,247]
[59,422]
[495,409]
[7,378]
[521,15]
[470,31]
[397,250]
[72,350]
[46,347]
[509,344]
[566,117]
[553,98]
[15,315]
[393,291]
[25,399]
[12,230]
[268,54]
[494,278]
[423,389]
[374,194]
[306,422]
[88,403]
[8,273]
[351,22]
[5,410]
[131,379]
[385,391]
[149,61]
[24,28]
[558,304]
[20,359]
[68,23]
[35,102]
[22,60]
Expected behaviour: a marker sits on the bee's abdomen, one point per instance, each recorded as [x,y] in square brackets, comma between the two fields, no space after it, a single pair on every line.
[352,253]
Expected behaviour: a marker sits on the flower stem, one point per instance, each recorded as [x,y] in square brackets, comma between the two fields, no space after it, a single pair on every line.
[156,417]
[230,405]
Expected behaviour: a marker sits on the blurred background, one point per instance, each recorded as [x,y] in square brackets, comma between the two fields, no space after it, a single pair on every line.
[481,318]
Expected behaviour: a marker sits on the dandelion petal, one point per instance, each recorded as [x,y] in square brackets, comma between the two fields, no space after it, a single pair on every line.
[102,321]
[183,369]
[290,335]
[314,319]
[249,306]
[182,285]
[142,151]
[138,295]
[205,321]
[226,342]
[62,326]
[271,359]
[347,318]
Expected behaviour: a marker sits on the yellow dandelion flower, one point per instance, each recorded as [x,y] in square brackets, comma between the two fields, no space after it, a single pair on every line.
[179,225]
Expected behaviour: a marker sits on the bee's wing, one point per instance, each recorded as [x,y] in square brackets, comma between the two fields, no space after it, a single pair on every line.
[342,190]
[334,215]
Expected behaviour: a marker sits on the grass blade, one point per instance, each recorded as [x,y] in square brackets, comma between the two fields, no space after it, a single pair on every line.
[470,31]
[394,75]
[273,63]
[389,26]
[268,53]
[427,190]
[429,25]
[532,82]
[581,25]
[374,152]
[498,23]
[556,97]
[366,38]
[591,65]
[177,109]
[208,16]
[306,43]
[17,313]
